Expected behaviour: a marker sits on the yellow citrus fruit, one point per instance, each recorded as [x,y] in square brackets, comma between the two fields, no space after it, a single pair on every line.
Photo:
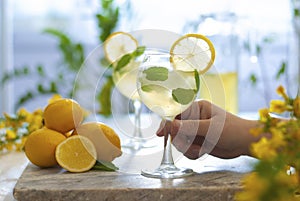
[196,50]
[63,115]
[76,154]
[40,146]
[118,44]
[105,139]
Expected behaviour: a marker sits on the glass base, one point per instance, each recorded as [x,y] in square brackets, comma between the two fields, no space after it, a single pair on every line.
[168,172]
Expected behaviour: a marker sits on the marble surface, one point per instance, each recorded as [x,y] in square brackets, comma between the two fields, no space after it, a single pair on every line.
[214,178]
[55,184]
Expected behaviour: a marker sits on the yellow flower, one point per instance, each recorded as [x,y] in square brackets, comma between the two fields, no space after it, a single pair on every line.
[256,131]
[254,186]
[296,134]
[54,98]
[281,91]
[38,112]
[10,135]
[23,112]
[20,145]
[263,149]
[277,106]
[296,106]
[264,114]
[9,146]
[277,139]
[2,124]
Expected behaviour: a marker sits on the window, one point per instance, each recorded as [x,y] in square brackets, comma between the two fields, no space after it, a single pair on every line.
[256,22]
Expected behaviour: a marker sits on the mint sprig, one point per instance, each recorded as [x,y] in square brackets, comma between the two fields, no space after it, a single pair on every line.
[125,59]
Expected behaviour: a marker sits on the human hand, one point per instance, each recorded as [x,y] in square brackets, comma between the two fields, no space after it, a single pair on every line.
[206,128]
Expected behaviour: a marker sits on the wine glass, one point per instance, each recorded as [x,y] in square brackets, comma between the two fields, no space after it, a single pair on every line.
[167,91]
[125,82]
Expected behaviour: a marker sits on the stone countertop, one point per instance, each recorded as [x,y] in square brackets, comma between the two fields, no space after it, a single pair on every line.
[214,179]
[55,184]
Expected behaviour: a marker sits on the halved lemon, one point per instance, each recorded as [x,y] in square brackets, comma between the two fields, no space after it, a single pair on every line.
[76,154]
[118,44]
[192,51]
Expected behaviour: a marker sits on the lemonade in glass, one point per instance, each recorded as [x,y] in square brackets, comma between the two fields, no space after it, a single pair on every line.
[167,92]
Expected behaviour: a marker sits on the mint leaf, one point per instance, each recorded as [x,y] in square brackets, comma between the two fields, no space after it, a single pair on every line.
[197,79]
[105,166]
[156,73]
[183,96]
[123,61]
[152,87]
[147,88]
[139,51]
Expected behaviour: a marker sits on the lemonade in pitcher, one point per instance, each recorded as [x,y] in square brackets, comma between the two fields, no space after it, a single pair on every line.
[221,89]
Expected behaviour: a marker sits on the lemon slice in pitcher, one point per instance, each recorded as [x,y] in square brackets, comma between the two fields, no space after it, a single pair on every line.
[118,44]
[192,51]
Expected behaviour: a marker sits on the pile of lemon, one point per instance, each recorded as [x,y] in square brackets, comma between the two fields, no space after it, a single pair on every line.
[68,142]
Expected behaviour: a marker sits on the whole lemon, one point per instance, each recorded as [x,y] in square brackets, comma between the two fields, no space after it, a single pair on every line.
[104,138]
[40,147]
[63,115]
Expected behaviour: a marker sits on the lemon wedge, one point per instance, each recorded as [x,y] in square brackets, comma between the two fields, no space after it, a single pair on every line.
[118,44]
[192,51]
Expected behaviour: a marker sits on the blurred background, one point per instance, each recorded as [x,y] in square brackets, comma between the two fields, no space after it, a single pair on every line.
[44,42]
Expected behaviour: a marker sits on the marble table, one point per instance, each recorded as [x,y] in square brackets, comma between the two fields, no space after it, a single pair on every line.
[214,179]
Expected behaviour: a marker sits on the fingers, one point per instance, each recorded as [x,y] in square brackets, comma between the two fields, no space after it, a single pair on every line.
[192,112]
[185,146]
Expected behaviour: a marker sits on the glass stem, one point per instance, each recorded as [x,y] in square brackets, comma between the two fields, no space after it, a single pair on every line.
[137,105]
[167,159]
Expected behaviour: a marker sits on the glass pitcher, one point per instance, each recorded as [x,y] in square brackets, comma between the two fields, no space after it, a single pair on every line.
[220,84]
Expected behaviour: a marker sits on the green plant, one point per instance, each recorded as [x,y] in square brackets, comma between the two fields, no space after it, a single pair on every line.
[257,50]
[72,56]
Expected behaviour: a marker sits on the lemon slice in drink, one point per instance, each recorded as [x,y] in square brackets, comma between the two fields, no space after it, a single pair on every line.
[192,51]
[118,44]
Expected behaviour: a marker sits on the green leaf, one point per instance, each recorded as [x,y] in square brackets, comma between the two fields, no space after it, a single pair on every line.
[281,71]
[73,53]
[53,87]
[156,73]
[105,166]
[197,79]
[123,61]
[26,97]
[152,87]
[139,51]
[258,49]
[183,96]
[41,89]
[104,97]
[253,79]
[296,12]
[40,70]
